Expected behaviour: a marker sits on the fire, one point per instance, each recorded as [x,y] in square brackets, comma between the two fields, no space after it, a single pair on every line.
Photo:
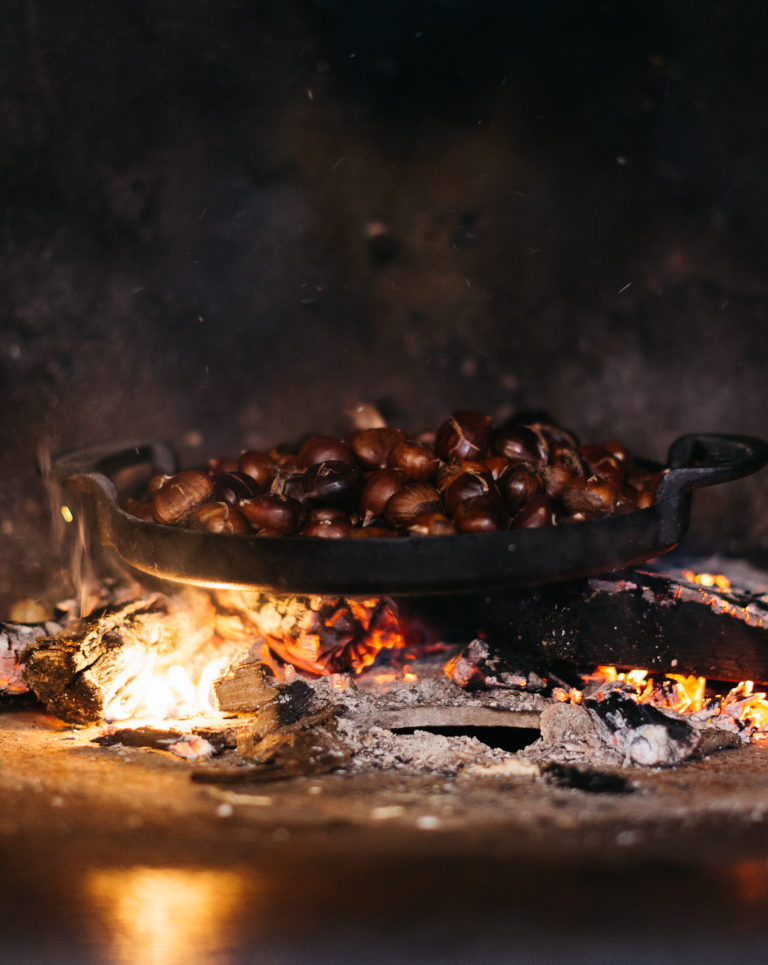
[345,635]
[685,695]
[319,636]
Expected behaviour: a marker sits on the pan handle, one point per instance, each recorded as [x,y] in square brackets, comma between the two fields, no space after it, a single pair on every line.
[708,459]
[90,469]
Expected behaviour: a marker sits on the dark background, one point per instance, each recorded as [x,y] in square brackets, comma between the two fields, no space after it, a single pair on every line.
[575,198]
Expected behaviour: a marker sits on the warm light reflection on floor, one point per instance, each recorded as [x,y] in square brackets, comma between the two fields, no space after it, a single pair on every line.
[165,916]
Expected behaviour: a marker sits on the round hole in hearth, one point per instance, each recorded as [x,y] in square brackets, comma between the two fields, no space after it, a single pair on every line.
[501,738]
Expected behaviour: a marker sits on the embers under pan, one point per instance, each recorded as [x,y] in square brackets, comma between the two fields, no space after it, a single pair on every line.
[404,565]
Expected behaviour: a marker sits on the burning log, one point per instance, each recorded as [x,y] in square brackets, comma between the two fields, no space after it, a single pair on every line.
[80,672]
[643,620]
[317,634]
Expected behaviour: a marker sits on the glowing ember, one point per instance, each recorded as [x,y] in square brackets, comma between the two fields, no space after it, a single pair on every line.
[345,635]
[686,695]
[708,579]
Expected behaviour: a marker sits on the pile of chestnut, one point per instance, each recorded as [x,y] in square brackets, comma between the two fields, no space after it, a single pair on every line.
[468,477]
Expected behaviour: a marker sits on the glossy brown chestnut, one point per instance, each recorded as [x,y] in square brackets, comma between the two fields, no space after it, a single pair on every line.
[495,465]
[319,449]
[480,514]
[218,517]
[231,487]
[156,483]
[327,528]
[289,484]
[519,483]
[270,511]
[553,432]
[373,446]
[415,459]
[463,436]
[331,482]
[465,486]
[179,495]
[379,488]
[412,500]
[222,464]
[520,443]
[258,466]
[536,512]
[431,524]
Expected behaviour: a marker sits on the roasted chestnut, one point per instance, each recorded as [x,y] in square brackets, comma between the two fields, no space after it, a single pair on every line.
[331,482]
[411,501]
[289,484]
[520,443]
[273,512]
[258,466]
[231,487]
[179,495]
[463,436]
[415,459]
[431,524]
[373,446]
[218,517]
[319,449]
[467,485]
[536,512]
[518,483]
[156,483]
[222,464]
[327,528]
[379,488]
[480,514]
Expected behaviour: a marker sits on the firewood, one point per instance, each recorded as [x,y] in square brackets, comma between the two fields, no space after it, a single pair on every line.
[245,687]
[317,634]
[312,745]
[638,619]
[79,671]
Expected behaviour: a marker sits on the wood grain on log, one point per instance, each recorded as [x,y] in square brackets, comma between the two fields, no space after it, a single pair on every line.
[79,671]
[643,620]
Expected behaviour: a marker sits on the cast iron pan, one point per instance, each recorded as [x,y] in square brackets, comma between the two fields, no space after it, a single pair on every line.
[404,565]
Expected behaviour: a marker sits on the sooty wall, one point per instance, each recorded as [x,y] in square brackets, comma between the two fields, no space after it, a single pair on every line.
[573,197]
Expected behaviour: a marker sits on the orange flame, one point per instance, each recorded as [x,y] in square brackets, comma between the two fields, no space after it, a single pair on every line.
[346,639]
[341,636]
[688,695]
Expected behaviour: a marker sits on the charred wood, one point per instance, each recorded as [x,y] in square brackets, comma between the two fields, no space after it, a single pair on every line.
[79,671]
[245,688]
[317,634]
[638,619]
[309,746]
